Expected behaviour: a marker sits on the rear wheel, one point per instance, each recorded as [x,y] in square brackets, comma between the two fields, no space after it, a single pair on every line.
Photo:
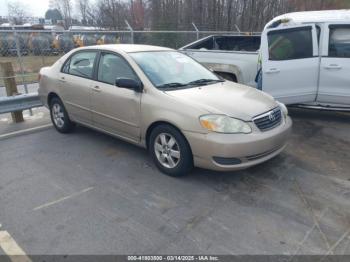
[170,151]
[59,116]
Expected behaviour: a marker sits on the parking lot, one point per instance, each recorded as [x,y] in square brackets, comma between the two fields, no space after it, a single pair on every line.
[88,193]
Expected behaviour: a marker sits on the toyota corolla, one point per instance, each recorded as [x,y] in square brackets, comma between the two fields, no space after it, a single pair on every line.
[165,101]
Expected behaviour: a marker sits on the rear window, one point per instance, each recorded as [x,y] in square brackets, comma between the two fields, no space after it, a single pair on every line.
[339,41]
[238,43]
[207,44]
[289,44]
[229,43]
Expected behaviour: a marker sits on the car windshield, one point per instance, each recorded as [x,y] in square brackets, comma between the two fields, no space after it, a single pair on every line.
[173,70]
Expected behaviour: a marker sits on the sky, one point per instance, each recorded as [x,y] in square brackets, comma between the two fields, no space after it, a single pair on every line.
[34,7]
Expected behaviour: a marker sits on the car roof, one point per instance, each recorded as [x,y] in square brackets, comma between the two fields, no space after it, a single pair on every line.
[313,17]
[129,48]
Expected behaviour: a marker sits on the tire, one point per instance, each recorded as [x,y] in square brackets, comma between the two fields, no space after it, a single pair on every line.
[59,116]
[170,151]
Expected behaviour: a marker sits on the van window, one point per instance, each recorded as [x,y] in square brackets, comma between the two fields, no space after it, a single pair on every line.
[80,64]
[289,44]
[339,41]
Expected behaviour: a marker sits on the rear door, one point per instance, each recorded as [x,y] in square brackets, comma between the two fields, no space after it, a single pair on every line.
[75,81]
[334,85]
[290,63]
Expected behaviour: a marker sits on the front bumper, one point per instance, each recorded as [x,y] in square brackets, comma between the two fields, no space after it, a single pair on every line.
[238,151]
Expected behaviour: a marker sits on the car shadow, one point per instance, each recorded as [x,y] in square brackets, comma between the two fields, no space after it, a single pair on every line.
[117,147]
[322,115]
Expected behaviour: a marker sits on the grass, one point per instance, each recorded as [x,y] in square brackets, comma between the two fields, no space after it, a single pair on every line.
[31,66]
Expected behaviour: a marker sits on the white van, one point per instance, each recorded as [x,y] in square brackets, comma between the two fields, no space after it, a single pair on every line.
[305,58]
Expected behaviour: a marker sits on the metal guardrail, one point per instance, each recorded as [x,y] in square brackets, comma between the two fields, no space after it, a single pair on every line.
[19,102]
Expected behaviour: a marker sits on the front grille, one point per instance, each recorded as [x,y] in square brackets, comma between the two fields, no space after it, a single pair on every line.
[269,119]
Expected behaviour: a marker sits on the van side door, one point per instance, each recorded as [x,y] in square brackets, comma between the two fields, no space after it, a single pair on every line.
[290,63]
[334,87]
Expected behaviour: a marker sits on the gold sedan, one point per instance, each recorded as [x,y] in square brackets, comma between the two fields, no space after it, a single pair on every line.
[165,101]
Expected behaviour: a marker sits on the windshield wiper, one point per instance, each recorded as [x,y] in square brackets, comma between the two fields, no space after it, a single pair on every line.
[192,83]
[172,85]
[204,81]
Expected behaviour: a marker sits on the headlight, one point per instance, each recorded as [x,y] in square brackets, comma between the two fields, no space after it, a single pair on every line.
[224,124]
[283,109]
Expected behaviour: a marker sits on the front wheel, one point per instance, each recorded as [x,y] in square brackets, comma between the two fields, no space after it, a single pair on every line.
[170,151]
[59,116]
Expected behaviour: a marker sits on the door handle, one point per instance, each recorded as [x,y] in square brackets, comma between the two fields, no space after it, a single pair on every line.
[333,66]
[62,79]
[272,71]
[96,89]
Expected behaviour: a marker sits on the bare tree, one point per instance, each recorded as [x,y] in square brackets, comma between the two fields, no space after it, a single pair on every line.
[17,12]
[137,14]
[249,15]
[65,8]
[83,7]
[113,13]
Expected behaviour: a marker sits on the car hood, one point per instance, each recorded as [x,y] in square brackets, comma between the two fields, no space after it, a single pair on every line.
[227,98]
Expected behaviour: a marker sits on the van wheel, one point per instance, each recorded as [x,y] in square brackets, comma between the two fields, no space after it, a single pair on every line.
[170,151]
[59,116]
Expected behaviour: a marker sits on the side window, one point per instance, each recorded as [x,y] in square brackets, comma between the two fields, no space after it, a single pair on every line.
[65,68]
[207,44]
[289,44]
[339,41]
[112,67]
[80,64]
[238,43]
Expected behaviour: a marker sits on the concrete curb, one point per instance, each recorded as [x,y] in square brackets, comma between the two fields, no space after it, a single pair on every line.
[25,131]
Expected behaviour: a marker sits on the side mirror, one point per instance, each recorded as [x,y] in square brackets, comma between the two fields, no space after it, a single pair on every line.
[129,83]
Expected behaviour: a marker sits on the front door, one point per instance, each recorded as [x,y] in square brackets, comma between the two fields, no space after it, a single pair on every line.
[334,85]
[115,110]
[290,63]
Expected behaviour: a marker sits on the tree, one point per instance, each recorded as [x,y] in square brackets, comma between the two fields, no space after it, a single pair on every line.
[17,12]
[319,4]
[249,15]
[54,15]
[113,13]
[83,7]
[65,8]
[137,14]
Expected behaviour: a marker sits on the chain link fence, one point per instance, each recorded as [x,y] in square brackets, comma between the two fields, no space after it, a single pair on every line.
[28,51]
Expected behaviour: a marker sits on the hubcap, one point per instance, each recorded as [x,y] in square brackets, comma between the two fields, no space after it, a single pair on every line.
[58,115]
[167,150]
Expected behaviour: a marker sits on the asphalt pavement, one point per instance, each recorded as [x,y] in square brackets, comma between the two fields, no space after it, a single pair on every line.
[88,193]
